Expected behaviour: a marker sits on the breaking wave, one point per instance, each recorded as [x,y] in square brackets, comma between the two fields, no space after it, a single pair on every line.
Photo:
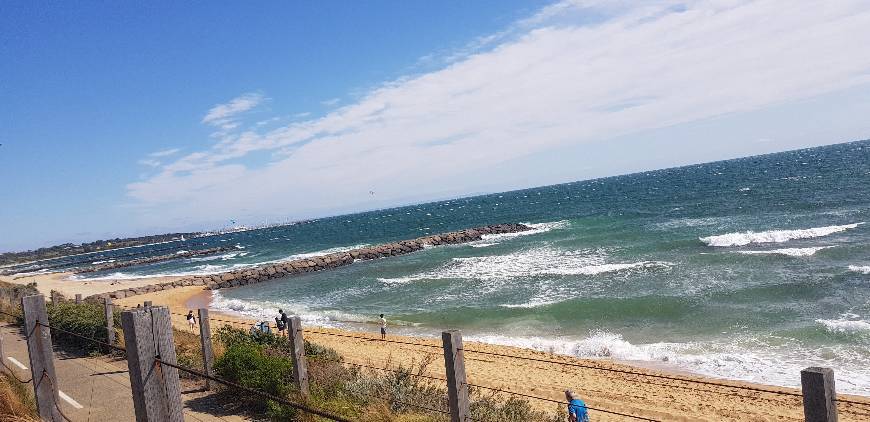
[846,326]
[773,236]
[862,269]
[267,310]
[538,228]
[527,263]
[796,252]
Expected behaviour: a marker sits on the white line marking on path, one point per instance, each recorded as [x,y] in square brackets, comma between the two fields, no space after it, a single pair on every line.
[16,362]
[69,400]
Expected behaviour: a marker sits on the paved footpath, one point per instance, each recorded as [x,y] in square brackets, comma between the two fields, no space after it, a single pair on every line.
[91,389]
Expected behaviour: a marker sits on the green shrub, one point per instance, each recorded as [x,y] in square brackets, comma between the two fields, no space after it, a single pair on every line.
[251,363]
[86,319]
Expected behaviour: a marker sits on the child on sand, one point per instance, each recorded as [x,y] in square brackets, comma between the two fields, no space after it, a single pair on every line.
[383,328]
[576,408]
[191,321]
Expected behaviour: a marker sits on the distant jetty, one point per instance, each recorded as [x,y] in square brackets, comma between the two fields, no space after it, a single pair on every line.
[259,274]
[151,260]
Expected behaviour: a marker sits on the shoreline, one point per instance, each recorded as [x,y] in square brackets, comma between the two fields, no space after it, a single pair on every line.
[635,393]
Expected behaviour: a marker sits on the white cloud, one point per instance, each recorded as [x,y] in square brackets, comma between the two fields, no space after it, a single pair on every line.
[150,163]
[164,153]
[560,78]
[223,115]
[331,102]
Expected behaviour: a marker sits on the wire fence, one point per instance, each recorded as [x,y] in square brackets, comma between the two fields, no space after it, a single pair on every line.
[281,400]
[732,389]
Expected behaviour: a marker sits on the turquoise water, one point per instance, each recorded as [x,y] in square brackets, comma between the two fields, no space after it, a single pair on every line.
[750,269]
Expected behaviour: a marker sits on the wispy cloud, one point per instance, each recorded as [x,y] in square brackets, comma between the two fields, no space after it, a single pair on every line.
[164,153]
[150,163]
[330,102]
[223,115]
[559,78]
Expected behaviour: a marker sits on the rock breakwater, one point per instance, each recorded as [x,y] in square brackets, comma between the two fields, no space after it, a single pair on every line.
[150,260]
[259,274]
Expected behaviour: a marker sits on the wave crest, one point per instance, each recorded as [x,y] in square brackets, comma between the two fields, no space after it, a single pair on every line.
[846,326]
[795,252]
[527,263]
[773,236]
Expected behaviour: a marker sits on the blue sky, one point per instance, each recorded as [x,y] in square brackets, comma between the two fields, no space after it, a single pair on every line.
[124,118]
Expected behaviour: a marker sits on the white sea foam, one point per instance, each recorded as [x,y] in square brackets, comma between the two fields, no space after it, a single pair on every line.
[796,252]
[223,257]
[482,245]
[267,310]
[526,263]
[534,303]
[338,249]
[537,228]
[862,269]
[846,326]
[102,262]
[773,236]
[740,358]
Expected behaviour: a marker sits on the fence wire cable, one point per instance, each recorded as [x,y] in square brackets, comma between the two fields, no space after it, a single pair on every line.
[372,339]
[394,400]
[11,372]
[91,339]
[287,402]
[56,390]
[561,402]
[341,362]
[624,371]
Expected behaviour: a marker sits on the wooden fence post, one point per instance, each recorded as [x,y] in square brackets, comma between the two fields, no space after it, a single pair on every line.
[110,321]
[820,396]
[41,357]
[55,297]
[300,364]
[156,388]
[457,385]
[78,298]
[205,338]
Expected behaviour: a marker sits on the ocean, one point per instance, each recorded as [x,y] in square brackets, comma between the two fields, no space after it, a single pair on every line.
[747,269]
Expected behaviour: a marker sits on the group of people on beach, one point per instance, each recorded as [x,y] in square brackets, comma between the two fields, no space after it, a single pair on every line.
[576,407]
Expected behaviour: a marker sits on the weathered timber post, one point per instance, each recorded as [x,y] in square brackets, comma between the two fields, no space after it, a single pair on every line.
[205,338]
[156,388]
[110,321]
[55,297]
[820,396]
[300,364]
[41,357]
[78,298]
[457,386]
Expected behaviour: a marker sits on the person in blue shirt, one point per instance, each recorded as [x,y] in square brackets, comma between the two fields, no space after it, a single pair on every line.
[576,408]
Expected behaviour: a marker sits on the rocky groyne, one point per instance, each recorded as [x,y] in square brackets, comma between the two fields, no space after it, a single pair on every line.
[259,274]
[150,260]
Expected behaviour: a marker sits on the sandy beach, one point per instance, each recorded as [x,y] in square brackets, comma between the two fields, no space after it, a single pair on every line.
[632,393]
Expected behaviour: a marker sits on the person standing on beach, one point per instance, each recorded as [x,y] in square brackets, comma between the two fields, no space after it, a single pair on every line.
[191,320]
[383,328]
[576,408]
[281,321]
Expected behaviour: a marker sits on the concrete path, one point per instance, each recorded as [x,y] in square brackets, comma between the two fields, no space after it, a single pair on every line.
[91,389]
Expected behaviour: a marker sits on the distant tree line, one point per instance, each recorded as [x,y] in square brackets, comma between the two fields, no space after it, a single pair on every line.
[95,246]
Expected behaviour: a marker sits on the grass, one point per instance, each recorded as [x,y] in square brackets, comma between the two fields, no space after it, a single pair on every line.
[16,401]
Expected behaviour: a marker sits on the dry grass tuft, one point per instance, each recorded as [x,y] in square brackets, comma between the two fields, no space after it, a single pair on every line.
[16,402]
